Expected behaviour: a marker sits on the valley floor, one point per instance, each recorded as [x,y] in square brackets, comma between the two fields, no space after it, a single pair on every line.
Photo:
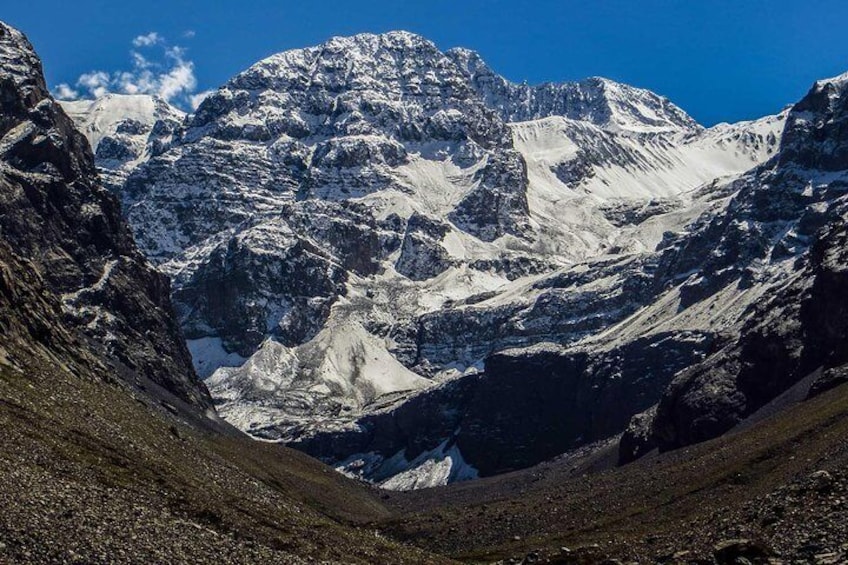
[780,483]
[89,476]
[92,473]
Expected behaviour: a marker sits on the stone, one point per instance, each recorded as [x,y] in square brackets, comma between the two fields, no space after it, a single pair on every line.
[740,551]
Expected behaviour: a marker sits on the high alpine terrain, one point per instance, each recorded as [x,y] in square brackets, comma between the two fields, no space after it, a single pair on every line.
[352,226]
[391,258]
[111,450]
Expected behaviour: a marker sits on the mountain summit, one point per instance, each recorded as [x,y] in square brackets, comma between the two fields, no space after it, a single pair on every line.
[349,224]
[597,100]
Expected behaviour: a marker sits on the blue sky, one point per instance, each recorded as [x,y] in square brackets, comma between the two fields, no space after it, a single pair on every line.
[719,60]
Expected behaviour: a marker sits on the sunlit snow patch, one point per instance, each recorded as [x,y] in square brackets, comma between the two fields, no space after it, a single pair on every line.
[208,354]
[437,467]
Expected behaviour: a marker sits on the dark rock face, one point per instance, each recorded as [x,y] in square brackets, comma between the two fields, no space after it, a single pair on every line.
[817,129]
[422,255]
[513,268]
[795,332]
[241,293]
[564,308]
[638,438]
[417,425]
[536,405]
[634,213]
[529,406]
[574,172]
[498,205]
[56,216]
[791,212]
[112,149]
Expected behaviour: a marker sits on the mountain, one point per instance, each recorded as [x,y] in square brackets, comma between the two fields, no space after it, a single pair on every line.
[111,450]
[66,232]
[124,130]
[348,224]
[737,313]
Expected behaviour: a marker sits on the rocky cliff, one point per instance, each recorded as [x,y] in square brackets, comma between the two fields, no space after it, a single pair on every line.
[64,232]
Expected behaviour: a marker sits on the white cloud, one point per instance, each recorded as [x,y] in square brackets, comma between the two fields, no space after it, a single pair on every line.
[95,82]
[189,34]
[65,92]
[197,99]
[165,72]
[180,80]
[139,60]
[148,40]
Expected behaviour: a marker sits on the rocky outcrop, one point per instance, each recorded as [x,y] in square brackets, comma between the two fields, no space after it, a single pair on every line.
[562,307]
[266,281]
[817,128]
[67,231]
[422,255]
[784,233]
[797,331]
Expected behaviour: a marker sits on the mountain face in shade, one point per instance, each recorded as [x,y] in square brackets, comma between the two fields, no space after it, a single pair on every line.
[782,238]
[354,227]
[67,249]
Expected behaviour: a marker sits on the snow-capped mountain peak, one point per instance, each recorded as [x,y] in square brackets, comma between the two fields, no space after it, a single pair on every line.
[102,117]
[352,223]
[601,101]
[399,62]
[837,80]
[125,130]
